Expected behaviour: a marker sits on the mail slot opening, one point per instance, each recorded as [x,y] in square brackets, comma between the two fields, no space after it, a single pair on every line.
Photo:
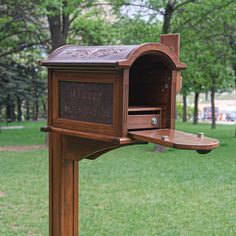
[150,91]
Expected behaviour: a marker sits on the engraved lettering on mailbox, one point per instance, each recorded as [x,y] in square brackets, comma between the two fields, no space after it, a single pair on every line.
[88,102]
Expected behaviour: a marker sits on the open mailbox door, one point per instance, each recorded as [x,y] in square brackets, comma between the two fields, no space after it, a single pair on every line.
[176,139]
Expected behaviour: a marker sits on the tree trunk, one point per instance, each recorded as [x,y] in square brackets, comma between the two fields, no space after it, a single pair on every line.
[27,115]
[184,107]
[195,114]
[19,110]
[55,30]
[59,24]
[169,9]
[13,116]
[44,104]
[10,109]
[35,109]
[213,110]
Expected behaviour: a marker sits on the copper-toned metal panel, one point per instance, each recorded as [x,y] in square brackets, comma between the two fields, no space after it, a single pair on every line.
[72,54]
[113,55]
[87,102]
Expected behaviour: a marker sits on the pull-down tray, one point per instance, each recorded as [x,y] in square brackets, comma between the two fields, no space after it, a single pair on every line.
[176,139]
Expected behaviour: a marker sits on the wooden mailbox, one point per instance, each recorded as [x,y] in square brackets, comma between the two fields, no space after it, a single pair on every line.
[105,97]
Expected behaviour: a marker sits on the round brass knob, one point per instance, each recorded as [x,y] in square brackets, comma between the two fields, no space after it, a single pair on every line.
[154,121]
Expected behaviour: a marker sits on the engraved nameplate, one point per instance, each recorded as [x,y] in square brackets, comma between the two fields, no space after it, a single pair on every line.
[88,102]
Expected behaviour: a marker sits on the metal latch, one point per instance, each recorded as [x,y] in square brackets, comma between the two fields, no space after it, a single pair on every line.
[154,121]
[164,137]
[200,135]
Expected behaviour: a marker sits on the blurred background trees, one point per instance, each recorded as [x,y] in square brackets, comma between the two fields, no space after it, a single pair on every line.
[31,29]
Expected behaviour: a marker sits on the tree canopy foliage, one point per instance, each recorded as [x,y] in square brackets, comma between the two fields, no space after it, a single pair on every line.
[31,29]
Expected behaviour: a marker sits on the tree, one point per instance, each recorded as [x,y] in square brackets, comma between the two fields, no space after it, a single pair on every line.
[76,21]
[137,31]
[31,28]
[155,10]
[221,76]
[213,35]
[20,26]
[189,18]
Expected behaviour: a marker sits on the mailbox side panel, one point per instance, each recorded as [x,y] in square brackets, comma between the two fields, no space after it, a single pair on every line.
[50,95]
[125,102]
[86,100]
[173,100]
[175,88]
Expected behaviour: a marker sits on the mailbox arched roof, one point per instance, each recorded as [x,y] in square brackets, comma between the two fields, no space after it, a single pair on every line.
[120,56]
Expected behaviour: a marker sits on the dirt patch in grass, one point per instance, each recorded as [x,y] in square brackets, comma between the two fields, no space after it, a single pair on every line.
[2,194]
[22,148]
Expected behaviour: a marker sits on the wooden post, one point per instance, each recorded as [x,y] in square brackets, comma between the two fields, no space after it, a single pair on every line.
[65,152]
[63,190]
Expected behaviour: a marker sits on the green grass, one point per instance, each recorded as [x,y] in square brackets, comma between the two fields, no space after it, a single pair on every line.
[29,135]
[24,180]
[130,191]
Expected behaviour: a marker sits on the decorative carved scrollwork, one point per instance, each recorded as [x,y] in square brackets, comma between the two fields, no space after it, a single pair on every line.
[84,53]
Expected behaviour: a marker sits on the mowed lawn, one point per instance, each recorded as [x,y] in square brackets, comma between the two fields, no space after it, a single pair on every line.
[130,191]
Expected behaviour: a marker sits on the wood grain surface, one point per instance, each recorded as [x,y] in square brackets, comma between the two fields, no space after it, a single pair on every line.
[176,139]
